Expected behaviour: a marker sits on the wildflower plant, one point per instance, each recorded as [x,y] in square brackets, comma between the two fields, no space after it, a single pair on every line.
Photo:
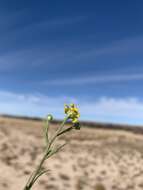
[72,115]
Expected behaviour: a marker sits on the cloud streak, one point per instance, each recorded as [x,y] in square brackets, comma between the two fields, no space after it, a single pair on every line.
[107,109]
[44,55]
[122,47]
[31,105]
[16,29]
[96,79]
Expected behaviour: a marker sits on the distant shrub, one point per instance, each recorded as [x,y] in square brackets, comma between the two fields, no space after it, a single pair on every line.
[99,186]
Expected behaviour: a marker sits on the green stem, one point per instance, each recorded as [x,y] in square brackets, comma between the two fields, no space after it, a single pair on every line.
[29,185]
[58,131]
[46,128]
[64,131]
[31,180]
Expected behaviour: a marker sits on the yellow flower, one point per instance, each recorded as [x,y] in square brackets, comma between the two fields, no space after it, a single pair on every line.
[72,112]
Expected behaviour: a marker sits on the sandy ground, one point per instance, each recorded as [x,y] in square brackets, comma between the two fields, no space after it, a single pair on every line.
[111,160]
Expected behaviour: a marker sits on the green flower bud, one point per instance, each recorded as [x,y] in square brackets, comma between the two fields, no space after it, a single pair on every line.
[49,117]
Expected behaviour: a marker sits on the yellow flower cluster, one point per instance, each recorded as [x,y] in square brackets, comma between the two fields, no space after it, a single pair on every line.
[72,112]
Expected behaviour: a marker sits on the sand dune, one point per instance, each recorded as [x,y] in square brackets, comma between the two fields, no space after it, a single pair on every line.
[93,159]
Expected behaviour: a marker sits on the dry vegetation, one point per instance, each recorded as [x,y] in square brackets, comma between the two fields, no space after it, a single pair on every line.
[95,159]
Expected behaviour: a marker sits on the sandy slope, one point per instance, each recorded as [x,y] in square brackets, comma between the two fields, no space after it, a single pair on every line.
[93,156]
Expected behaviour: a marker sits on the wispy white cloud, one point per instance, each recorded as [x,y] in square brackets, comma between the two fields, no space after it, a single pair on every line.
[32,55]
[16,60]
[121,47]
[31,104]
[41,26]
[96,79]
[125,46]
[115,107]
[114,110]
[34,58]
[60,22]
[57,54]
[107,109]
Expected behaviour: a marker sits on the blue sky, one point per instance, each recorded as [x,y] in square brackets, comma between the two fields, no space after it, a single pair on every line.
[87,52]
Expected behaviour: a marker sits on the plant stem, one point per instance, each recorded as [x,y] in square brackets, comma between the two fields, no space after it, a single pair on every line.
[32,180]
[29,185]
[57,132]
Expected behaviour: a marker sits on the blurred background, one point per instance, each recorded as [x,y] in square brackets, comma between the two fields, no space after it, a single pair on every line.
[85,52]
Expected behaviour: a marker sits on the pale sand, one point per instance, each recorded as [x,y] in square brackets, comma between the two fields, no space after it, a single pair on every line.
[93,156]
